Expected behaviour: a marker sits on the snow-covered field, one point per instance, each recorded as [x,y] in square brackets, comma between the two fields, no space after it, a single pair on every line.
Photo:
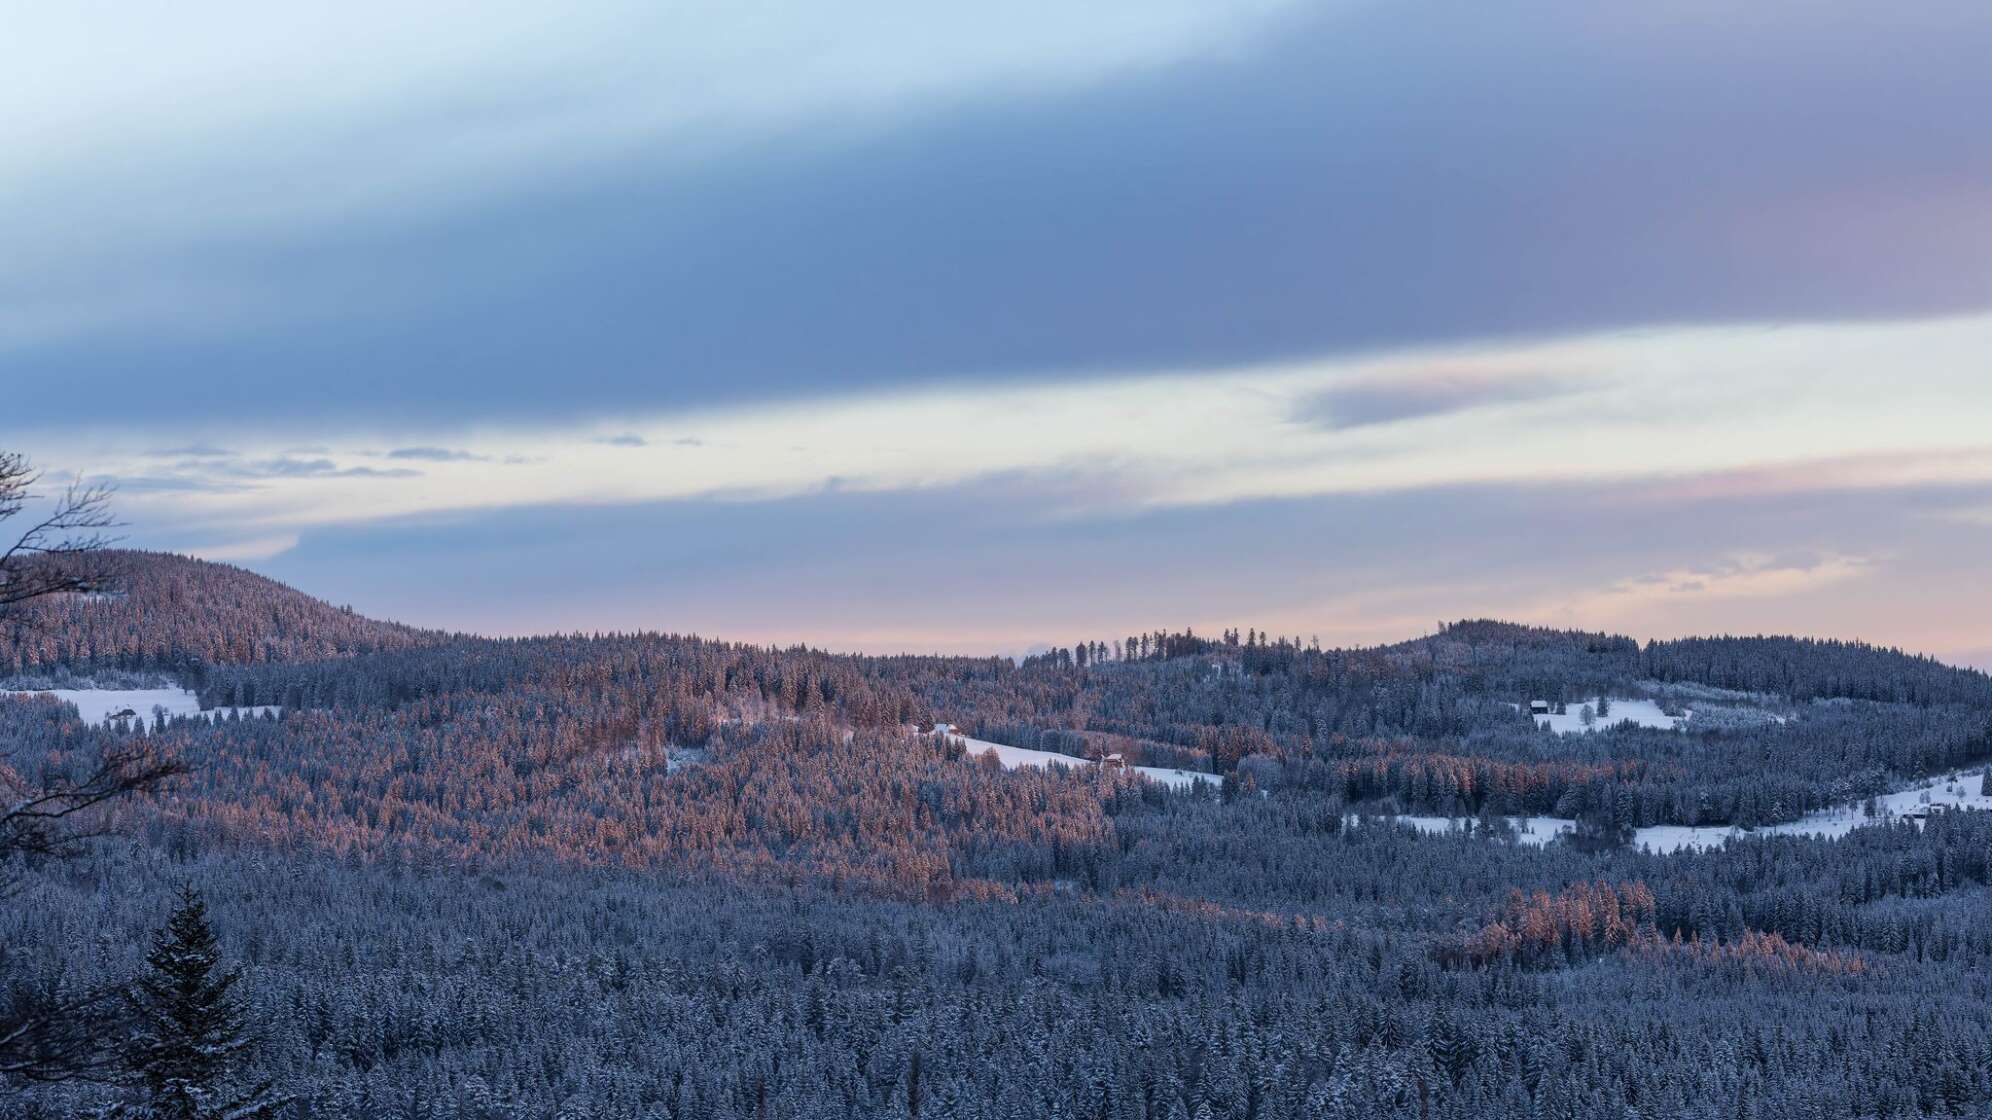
[1535,831]
[97,705]
[1645,713]
[1015,757]
[1829,823]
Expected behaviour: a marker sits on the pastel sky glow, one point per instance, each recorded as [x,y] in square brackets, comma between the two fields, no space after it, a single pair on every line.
[955,327]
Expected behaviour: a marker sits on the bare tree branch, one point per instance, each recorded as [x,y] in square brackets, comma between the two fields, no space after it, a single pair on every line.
[49,1032]
[38,819]
[64,550]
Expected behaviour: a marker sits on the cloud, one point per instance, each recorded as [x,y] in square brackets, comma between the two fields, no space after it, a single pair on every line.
[1745,592]
[912,570]
[1918,466]
[1480,310]
[290,467]
[243,551]
[1364,176]
[1417,396]
[193,451]
[142,484]
[631,439]
[1740,575]
[1694,414]
[995,516]
[436,455]
[347,124]
[223,473]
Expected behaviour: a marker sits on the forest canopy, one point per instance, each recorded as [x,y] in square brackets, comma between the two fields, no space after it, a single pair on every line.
[654,875]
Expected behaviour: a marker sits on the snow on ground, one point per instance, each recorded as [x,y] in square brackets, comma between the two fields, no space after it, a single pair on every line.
[1961,793]
[1666,839]
[1645,713]
[1534,831]
[97,705]
[1832,823]
[681,758]
[1015,757]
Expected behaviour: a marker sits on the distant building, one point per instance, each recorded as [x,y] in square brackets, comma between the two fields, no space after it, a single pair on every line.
[1114,762]
[1539,707]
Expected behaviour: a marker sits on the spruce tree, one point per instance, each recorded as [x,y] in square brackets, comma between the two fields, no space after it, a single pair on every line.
[189,1030]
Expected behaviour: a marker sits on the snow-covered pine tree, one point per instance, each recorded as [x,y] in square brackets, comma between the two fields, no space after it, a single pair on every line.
[189,1032]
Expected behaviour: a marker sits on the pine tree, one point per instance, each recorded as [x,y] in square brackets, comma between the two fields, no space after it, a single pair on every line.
[190,1032]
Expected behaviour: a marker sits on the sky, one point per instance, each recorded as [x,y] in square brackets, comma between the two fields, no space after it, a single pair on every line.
[976,328]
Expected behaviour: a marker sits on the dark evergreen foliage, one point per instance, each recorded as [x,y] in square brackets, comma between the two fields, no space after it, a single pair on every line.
[189,1032]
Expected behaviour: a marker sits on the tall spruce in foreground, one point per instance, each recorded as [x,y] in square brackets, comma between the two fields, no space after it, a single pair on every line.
[190,1033]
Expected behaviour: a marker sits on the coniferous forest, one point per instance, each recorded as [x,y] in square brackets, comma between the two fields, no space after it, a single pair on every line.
[406,875]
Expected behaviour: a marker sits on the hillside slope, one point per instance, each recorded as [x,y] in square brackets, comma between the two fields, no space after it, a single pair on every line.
[584,875]
[175,613]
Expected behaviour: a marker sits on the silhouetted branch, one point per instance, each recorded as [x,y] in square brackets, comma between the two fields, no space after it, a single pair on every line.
[49,1033]
[64,550]
[38,818]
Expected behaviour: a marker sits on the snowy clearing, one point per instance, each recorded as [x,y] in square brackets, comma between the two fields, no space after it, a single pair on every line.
[1014,757]
[1960,792]
[98,705]
[1534,831]
[1833,823]
[1644,713]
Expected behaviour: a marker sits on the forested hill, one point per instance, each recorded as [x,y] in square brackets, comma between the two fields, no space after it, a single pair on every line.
[174,613]
[639,876]
[1795,668]
[1769,729]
